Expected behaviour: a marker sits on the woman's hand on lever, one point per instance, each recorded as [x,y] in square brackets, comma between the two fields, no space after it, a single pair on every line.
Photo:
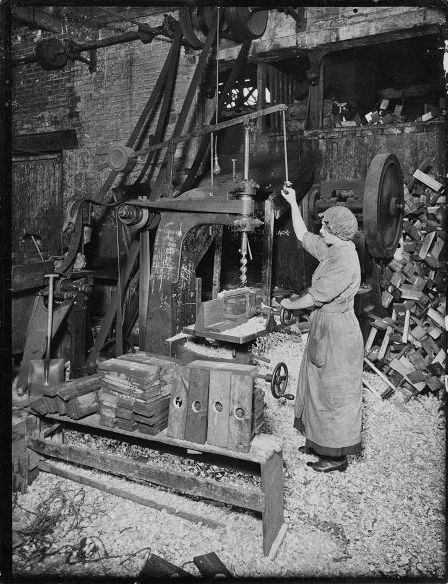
[289,194]
[296,302]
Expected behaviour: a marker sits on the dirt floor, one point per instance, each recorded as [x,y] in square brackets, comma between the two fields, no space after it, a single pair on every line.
[384,516]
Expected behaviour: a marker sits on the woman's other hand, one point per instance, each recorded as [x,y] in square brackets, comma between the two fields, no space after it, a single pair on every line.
[289,303]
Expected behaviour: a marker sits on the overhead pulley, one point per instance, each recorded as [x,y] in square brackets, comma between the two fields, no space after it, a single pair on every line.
[237,23]
[51,54]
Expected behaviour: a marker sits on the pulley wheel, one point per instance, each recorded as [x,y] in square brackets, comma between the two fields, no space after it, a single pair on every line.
[51,54]
[206,17]
[121,158]
[246,22]
[383,205]
[279,381]
[187,25]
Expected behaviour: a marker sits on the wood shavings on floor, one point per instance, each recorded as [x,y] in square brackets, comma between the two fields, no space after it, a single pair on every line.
[385,516]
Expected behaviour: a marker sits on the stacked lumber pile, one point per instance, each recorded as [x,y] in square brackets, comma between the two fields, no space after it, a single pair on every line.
[135,392]
[408,348]
[76,399]
[218,403]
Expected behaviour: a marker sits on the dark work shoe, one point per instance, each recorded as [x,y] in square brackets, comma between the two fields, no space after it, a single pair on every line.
[328,465]
[307,450]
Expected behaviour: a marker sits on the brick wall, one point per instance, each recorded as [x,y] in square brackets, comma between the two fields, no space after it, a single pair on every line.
[102,107]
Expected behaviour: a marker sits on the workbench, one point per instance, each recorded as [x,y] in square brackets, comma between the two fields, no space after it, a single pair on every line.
[264,459]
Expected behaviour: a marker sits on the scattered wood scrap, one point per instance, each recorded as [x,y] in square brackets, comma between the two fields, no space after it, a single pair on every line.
[408,346]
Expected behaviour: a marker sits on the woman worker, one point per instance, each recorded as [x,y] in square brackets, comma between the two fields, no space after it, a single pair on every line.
[328,401]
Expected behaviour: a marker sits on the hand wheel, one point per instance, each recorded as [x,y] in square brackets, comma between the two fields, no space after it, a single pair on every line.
[279,381]
[286,316]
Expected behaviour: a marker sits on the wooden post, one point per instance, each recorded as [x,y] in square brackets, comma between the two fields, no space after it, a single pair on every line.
[217,261]
[316,91]
[33,459]
[143,288]
[268,247]
[261,94]
[272,486]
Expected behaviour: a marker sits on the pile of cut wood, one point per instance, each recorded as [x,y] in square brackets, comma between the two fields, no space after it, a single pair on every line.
[408,348]
[76,398]
[135,392]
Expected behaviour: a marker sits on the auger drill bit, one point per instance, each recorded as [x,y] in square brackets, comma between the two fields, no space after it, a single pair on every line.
[243,260]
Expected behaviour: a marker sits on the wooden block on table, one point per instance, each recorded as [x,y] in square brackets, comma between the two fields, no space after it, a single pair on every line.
[152,430]
[108,421]
[82,406]
[165,363]
[124,413]
[39,405]
[218,407]
[150,409]
[129,425]
[240,412]
[177,415]
[197,409]
[131,371]
[160,418]
[209,313]
[126,403]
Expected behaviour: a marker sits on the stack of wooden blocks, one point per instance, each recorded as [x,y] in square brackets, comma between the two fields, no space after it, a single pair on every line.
[135,392]
[76,399]
[216,402]
[410,344]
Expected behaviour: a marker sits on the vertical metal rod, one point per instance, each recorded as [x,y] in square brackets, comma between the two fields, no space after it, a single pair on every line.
[284,146]
[211,159]
[246,152]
